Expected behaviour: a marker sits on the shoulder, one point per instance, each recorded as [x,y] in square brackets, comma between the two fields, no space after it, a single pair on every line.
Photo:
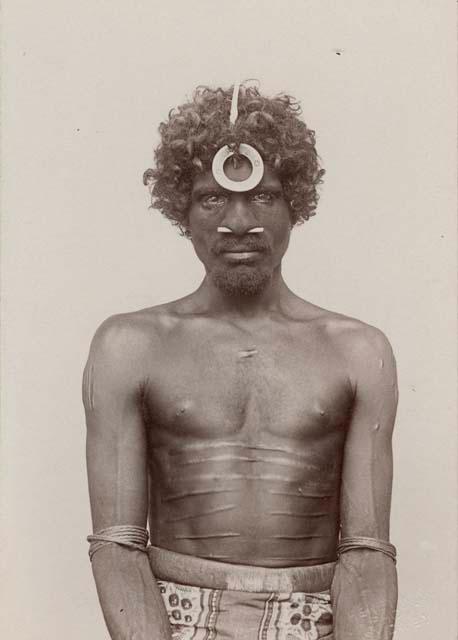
[368,357]
[119,355]
[357,339]
[362,347]
[131,336]
[121,337]
[133,330]
[118,335]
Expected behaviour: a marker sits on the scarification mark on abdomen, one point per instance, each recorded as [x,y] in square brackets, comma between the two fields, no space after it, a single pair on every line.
[229,534]
[238,476]
[280,536]
[230,458]
[298,515]
[300,494]
[316,559]
[186,494]
[229,507]
[224,445]
[221,458]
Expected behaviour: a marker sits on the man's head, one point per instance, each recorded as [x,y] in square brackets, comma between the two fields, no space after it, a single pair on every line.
[240,237]
[184,189]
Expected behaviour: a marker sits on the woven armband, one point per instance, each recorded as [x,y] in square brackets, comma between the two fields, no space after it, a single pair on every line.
[125,535]
[360,542]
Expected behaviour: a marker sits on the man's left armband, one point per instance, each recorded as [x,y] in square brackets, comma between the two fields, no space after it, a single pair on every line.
[125,535]
[361,542]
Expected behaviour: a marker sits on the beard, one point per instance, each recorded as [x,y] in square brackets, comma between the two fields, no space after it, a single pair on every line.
[242,280]
[245,278]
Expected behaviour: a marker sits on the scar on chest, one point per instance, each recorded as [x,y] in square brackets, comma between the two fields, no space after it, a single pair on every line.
[247,353]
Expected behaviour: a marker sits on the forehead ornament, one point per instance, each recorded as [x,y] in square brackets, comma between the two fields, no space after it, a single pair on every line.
[246,150]
[257,168]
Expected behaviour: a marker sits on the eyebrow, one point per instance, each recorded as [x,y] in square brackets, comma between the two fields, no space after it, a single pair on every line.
[268,186]
[204,190]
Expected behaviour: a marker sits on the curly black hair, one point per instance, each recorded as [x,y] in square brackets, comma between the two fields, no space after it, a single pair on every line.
[197,129]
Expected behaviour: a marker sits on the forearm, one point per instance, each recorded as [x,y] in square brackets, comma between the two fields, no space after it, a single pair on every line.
[364,596]
[130,599]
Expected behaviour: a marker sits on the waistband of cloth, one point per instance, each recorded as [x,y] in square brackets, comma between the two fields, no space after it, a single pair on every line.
[211,574]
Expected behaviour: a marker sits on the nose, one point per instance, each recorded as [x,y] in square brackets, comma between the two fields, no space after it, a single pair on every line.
[238,215]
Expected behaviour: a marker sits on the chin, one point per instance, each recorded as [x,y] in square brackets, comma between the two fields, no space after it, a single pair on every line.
[241,281]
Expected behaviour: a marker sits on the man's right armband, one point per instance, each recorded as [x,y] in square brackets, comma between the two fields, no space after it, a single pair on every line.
[125,535]
[362,542]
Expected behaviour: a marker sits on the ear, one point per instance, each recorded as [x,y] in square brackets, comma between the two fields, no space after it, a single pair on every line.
[150,184]
[148,180]
[184,230]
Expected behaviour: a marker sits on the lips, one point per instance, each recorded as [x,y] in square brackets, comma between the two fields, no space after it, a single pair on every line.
[241,256]
[240,248]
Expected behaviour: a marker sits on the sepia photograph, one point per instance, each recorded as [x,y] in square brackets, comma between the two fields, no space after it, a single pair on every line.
[229,320]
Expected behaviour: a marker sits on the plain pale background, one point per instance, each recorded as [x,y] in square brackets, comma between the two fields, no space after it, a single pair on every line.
[85,86]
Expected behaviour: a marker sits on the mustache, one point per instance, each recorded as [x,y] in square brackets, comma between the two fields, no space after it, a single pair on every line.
[243,243]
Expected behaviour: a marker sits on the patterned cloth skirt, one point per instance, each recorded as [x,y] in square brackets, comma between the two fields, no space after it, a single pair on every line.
[208,600]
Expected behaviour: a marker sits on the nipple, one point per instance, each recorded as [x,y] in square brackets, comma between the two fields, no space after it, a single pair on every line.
[183,406]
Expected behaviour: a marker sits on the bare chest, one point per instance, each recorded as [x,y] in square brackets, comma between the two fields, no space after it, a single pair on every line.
[251,389]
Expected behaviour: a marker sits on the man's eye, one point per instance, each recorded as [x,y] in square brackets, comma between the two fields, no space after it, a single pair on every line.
[212,201]
[263,197]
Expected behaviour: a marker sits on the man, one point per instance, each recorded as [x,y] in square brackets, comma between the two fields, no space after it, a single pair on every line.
[251,428]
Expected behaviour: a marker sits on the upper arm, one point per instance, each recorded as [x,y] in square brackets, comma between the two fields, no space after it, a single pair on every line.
[116,441]
[368,463]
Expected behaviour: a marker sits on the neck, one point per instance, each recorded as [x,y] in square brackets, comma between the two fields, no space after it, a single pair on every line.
[269,299]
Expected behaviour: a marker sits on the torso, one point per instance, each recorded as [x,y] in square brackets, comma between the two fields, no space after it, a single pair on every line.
[246,428]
